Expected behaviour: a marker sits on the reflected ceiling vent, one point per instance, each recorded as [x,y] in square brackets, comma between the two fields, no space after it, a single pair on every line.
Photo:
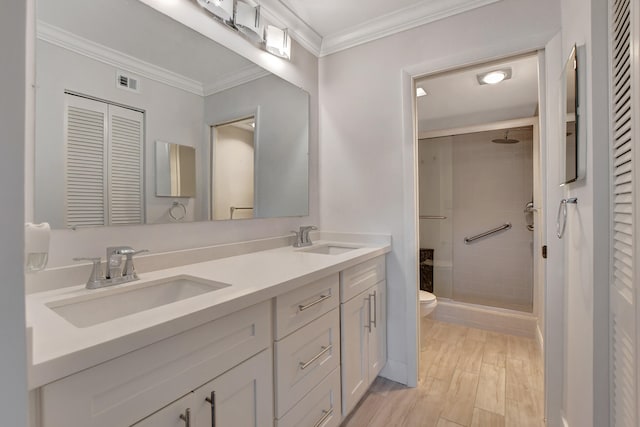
[124,81]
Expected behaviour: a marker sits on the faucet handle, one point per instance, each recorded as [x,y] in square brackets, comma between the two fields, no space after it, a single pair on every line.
[298,235]
[95,279]
[129,269]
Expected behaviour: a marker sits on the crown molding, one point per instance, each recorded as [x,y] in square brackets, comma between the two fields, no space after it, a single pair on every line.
[242,76]
[276,13]
[98,52]
[395,22]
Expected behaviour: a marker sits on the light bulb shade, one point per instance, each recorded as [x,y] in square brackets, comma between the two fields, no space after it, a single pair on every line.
[223,9]
[278,42]
[248,20]
[494,77]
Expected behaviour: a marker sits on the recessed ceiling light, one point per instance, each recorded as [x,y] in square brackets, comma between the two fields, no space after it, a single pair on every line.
[420,92]
[494,77]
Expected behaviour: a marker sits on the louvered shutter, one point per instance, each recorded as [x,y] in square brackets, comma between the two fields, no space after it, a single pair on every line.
[125,166]
[85,178]
[623,299]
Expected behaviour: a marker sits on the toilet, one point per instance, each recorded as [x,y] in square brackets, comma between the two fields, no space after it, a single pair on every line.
[428,303]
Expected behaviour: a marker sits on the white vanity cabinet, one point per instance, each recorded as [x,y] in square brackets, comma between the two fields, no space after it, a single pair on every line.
[363,328]
[238,398]
[307,355]
[131,387]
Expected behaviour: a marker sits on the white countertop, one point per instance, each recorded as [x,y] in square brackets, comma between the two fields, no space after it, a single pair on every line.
[60,349]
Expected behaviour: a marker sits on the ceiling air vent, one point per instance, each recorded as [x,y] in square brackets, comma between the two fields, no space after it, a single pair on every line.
[126,82]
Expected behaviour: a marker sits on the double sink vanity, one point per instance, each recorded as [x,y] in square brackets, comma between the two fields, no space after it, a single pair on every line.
[279,337]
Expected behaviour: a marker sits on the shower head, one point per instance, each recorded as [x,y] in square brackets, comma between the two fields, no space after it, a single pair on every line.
[505,140]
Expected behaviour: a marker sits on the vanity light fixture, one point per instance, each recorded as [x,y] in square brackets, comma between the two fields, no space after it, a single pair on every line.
[223,9]
[278,42]
[494,77]
[248,21]
[420,92]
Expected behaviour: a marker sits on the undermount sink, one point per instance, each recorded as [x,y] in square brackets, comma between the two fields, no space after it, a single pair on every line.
[88,310]
[329,249]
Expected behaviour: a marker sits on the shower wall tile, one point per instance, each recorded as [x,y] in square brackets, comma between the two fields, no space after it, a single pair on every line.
[491,185]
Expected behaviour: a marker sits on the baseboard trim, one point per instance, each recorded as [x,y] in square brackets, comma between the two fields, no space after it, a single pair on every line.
[489,318]
[395,371]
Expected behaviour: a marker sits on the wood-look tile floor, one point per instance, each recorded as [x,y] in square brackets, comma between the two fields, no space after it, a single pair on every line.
[468,377]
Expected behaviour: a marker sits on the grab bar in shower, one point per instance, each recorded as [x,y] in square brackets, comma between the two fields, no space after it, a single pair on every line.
[432,217]
[506,226]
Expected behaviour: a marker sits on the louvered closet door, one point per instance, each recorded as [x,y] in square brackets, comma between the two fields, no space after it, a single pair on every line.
[86,173]
[125,166]
[623,290]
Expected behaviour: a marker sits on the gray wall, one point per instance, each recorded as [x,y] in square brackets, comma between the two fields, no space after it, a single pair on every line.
[13,386]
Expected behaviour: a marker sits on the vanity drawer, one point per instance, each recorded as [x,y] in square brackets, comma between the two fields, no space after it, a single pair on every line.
[304,358]
[321,407]
[126,389]
[299,307]
[361,277]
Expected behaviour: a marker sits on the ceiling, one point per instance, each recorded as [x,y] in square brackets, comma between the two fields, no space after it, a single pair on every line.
[328,26]
[456,99]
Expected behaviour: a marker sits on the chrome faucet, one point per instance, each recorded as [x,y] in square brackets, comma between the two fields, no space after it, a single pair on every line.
[302,236]
[114,273]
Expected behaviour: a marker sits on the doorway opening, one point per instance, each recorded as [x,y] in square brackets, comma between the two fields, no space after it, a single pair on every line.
[232,177]
[479,236]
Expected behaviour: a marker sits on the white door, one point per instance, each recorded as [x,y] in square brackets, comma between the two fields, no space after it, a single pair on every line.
[377,332]
[623,334]
[354,349]
[241,397]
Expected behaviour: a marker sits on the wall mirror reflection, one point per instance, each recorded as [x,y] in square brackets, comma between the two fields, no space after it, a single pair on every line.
[571,151]
[175,170]
[109,85]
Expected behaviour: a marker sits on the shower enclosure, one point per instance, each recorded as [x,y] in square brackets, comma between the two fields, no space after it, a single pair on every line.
[476,221]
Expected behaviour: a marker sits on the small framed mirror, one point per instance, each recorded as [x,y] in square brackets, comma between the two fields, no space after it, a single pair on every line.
[175,170]
[571,138]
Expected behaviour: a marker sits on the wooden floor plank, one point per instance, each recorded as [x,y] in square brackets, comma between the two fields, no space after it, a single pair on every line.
[491,389]
[467,378]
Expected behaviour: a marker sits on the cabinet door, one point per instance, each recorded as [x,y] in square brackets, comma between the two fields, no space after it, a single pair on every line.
[355,350]
[378,330]
[241,397]
[176,414]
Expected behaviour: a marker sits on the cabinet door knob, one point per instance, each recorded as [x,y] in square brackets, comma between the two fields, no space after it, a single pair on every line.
[186,417]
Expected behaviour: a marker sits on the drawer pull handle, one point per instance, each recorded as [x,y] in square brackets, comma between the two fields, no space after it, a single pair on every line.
[304,365]
[325,414]
[318,301]
[186,417]
[212,401]
[375,310]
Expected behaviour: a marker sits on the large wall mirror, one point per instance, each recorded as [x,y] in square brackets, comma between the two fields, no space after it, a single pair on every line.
[120,87]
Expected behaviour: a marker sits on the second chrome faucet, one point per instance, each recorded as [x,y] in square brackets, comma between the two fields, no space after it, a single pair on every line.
[302,236]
